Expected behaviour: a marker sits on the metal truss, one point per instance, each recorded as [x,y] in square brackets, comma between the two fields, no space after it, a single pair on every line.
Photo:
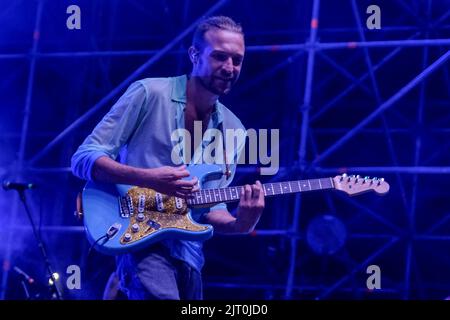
[309,159]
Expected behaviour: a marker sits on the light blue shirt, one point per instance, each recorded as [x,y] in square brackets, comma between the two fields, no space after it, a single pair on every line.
[139,128]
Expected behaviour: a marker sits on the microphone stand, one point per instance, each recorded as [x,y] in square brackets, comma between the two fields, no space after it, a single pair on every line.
[25,289]
[40,244]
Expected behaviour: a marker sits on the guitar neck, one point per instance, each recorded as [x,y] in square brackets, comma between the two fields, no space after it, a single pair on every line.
[207,197]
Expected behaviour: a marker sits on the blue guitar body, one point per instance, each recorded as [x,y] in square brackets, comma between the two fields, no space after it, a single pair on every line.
[124,218]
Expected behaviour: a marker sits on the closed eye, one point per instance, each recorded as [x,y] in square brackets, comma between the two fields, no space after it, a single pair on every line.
[220,56]
[223,56]
[237,61]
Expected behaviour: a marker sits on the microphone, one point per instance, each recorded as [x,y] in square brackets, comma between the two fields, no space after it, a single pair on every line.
[29,279]
[8,185]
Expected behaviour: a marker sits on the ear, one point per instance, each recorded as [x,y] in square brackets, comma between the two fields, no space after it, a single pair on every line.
[193,54]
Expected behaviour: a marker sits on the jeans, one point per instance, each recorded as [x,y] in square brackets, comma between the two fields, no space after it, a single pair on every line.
[153,274]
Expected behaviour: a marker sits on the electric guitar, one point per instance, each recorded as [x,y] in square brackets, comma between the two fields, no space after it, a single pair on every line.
[123,218]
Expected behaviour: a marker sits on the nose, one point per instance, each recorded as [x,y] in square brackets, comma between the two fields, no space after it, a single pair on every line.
[227,66]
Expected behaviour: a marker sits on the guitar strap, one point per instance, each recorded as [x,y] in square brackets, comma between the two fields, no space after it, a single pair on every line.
[227,172]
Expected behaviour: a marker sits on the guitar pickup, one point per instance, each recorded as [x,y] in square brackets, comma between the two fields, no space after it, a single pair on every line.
[178,203]
[125,206]
[141,203]
[159,202]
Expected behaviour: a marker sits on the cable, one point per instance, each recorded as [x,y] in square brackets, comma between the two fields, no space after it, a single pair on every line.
[106,236]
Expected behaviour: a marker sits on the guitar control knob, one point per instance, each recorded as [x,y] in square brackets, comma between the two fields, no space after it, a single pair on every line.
[127,237]
[135,227]
[140,217]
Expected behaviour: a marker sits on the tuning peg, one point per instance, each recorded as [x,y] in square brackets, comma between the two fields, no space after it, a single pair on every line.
[380,181]
[374,180]
[344,175]
[357,178]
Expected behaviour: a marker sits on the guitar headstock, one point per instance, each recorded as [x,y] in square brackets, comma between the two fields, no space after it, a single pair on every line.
[354,185]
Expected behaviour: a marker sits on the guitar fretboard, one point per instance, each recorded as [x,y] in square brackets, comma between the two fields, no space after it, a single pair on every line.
[230,194]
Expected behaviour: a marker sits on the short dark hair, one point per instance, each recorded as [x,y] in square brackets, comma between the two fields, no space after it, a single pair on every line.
[219,22]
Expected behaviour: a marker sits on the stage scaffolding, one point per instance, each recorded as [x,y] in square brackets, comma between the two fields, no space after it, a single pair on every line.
[314,52]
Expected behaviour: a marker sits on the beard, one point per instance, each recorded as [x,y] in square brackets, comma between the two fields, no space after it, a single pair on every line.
[217,85]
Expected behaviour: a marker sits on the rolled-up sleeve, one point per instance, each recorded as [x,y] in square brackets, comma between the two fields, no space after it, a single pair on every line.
[112,132]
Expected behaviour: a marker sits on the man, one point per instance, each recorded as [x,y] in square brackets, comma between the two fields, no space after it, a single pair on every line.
[138,130]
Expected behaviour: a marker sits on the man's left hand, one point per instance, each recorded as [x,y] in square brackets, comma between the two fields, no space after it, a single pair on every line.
[251,206]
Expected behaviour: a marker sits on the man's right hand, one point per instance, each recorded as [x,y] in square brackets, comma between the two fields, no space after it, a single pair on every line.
[168,180]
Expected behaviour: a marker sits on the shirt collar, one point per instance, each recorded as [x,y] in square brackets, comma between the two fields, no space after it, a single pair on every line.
[179,95]
[179,89]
